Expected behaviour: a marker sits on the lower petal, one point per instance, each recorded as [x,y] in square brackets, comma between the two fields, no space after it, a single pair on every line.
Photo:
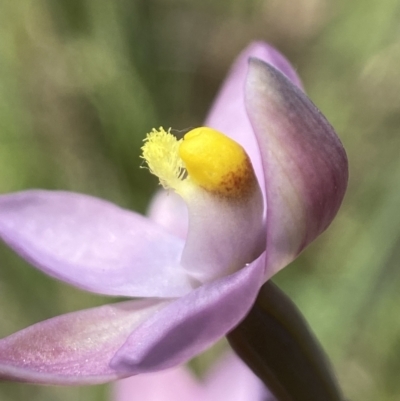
[176,384]
[191,324]
[230,379]
[75,348]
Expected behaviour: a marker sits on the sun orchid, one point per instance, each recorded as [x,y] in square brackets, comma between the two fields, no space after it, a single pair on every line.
[228,379]
[197,270]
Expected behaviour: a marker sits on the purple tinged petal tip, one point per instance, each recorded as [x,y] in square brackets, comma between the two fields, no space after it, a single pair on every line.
[73,349]
[265,52]
[305,165]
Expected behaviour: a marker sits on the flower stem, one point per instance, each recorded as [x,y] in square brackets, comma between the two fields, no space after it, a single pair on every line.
[275,341]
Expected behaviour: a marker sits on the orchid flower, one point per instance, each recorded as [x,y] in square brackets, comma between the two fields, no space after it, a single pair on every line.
[262,179]
[229,379]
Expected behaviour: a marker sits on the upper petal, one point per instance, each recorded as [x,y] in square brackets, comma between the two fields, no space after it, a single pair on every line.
[192,323]
[228,113]
[75,348]
[304,163]
[93,244]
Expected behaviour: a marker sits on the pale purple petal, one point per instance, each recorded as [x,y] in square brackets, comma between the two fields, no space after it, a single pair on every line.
[176,384]
[93,244]
[191,324]
[169,210]
[304,162]
[224,234]
[75,348]
[228,113]
[230,379]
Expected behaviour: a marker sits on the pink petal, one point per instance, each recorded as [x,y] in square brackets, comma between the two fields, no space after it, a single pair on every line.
[191,324]
[176,384]
[169,210]
[230,379]
[304,162]
[93,244]
[75,348]
[228,113]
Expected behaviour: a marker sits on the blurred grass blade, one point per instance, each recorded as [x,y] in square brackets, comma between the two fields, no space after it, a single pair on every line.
[276,342]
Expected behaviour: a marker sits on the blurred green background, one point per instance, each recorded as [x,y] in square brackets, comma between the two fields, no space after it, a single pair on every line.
[82,81]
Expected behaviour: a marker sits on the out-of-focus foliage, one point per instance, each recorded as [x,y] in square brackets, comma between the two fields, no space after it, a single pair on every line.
[82,81]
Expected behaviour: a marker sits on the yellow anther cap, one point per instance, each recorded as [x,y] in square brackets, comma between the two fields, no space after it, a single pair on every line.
[216,163]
